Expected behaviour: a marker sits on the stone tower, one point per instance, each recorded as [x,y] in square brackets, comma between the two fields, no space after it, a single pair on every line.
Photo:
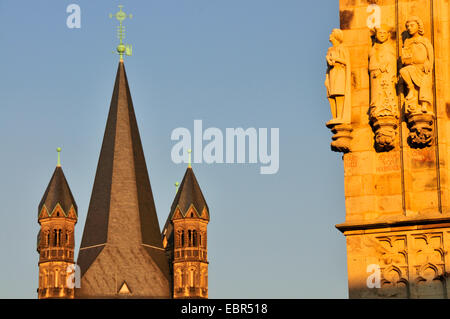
[185,240]
[121,253]
[55,244]
[396,145]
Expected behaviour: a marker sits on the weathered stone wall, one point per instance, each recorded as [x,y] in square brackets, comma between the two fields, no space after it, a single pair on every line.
[397,200]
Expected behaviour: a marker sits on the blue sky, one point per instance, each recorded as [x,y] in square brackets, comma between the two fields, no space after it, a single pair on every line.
[233,63]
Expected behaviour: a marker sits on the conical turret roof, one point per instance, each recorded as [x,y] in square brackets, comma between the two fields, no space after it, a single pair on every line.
[58,192]
[188,194]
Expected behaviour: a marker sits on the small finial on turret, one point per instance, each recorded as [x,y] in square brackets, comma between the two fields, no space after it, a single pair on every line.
[59,156]
[189,151]
[176,187]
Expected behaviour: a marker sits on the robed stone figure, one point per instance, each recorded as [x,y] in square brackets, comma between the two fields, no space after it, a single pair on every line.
[417,72]
[383,95]
[383,75]
[338,79]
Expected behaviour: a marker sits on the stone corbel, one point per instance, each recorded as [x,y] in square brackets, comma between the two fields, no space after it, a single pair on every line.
[421,130]
[342,137]
[385,128]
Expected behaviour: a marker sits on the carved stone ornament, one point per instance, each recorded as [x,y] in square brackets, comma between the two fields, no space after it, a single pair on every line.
[417,74]
[385,132]
[383,111]
[421,131]
[338,84]
[342,137]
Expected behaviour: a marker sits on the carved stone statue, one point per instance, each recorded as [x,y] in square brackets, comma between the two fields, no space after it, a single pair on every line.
[417,74]
[338,84]
[338,81]
[383,74]
[383,95]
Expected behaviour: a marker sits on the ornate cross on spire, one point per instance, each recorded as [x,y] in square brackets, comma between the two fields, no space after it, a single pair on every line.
[121,48]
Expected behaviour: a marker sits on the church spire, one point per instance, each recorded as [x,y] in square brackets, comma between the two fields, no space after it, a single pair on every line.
[121,249]
[121,240]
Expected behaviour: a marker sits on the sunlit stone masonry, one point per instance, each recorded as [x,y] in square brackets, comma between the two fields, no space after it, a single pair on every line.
[388,83]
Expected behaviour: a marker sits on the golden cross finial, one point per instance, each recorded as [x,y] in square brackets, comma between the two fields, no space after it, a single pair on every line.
[121,48]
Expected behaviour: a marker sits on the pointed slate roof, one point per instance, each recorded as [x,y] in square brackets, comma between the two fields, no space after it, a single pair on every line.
[121,224]
[57,192]
[188,194]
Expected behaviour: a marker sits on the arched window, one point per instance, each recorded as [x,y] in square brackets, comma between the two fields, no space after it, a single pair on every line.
[51,281]
[183,278]
[178,240]
[179,278]
[192,277]
[190,237]
[55,237]
[182,238]
[56,278]
[194,238]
